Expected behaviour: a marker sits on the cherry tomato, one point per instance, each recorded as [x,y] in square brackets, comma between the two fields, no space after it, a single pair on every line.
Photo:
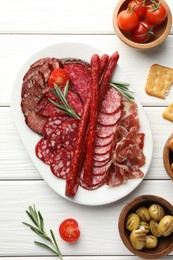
[58,76]
[156,13]
[144,32]
[139,7]
[69,230]
[127,20]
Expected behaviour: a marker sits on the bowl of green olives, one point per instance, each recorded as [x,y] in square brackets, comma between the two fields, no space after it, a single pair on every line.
[146,226]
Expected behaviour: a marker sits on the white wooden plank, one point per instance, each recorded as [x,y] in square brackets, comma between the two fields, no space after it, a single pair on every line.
[81,258]
[98,225]
[16,164]
[15,50]
[54,16]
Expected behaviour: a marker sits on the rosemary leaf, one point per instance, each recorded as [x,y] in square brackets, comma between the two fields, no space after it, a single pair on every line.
[41,221]
[46,246]
[66,88]
[122,88]
[37,219]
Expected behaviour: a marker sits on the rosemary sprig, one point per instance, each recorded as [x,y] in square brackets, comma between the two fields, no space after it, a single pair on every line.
[64,106]
[38,221]
[122,87]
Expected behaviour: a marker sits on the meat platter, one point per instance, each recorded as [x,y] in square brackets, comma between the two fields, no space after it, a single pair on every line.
[104,194]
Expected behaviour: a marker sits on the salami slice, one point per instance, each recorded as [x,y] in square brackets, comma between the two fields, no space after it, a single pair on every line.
[109,120]
[102,157]
[79,73]
[104,131]
[112,101]
[103,149]
[52,123]
[29,103]
[104,141]
[35,121]
[35,80]
[54,140]
[43,152]
[69,132]
[75,102]
[60,165]
[54,62]
[97,182]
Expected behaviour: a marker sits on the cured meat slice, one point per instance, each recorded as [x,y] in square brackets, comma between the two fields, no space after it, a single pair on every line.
[102,169]
[54,140]
[32,87]
[60,165]
[35,121]
[111,102]
[53,122]
[89,160]
[128,108]
[104,131]
[69,132]
[43,66]
[103,149]
[102,163]
[109,120]
[101,157]
[103,141]
[43,152]
[54,62]
[74,102]
[130,121]
[115,176]
[46,108]
[97,182]
[79,73]
[29,103]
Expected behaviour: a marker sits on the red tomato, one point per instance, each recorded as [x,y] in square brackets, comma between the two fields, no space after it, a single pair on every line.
[139,7]
[58,76]
[156,13]
[127,20]
[144,32]
[69,230]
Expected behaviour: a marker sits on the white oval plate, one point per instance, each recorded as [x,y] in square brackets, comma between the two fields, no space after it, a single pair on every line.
[104,194]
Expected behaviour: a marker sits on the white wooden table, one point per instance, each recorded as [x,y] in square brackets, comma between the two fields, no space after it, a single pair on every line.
[26,27]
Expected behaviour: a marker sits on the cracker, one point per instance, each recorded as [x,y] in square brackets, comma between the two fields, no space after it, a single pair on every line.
[168,112]
[159,81]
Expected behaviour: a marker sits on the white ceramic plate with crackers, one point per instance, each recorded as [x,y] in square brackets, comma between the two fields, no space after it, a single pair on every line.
[104,194]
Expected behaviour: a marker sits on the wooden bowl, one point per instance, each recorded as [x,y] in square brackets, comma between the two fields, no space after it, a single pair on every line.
[168,158]
[161,33]
[165,244]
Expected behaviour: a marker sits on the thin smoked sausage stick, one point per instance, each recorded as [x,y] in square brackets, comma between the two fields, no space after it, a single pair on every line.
[75,168]
[104,84]
[103,63]
[89,158]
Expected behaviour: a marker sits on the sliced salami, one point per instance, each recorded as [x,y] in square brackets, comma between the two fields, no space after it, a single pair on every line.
[43,152]
[104,141]
[60,165]
[69,132]
[109,120]
[101,163]
[29,103]
[52,123]
[54,139]
[102,149]
[79,73]
[112,101]
[35,121]
[75,102]
[104,131]
[101,157]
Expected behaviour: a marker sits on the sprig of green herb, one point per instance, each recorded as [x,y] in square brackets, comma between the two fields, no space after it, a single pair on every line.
[64,106]
[38,228]
[122,87]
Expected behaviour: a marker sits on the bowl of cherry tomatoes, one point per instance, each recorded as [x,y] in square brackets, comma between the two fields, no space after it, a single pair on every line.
[142,24]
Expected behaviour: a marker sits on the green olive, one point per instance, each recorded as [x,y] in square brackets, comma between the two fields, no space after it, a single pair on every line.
[143,213]
[151,241]
[154,228]
[144,227]
[166,225]
[132,222]
[156,212]
[137,239]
